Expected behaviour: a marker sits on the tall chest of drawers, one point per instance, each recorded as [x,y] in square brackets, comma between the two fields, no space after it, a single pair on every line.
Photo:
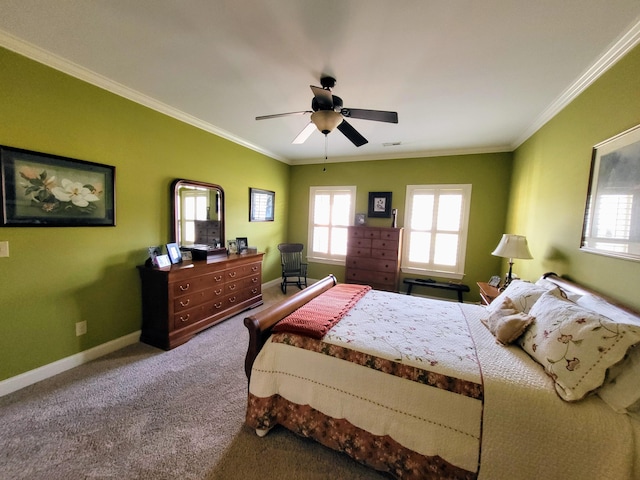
[373,257]
[181,300]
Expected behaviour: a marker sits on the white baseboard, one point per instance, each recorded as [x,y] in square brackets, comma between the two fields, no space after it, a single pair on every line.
[41,373]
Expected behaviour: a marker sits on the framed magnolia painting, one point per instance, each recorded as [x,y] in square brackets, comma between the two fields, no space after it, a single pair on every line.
[42,190]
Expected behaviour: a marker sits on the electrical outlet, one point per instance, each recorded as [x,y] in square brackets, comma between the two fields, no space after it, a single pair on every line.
[81,328]
[4,249]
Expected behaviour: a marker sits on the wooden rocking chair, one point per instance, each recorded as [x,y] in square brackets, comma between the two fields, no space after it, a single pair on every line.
[294,270]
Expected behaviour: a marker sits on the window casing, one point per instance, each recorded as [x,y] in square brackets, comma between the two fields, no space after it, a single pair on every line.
[435,229]
[331,210]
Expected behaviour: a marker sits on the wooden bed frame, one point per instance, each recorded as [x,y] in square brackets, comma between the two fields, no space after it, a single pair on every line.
[260,324]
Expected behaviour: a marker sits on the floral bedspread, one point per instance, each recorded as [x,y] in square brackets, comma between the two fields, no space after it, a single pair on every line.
[400,386]
[420,393]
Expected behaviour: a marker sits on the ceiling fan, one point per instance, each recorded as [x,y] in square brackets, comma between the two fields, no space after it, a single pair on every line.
[327,113]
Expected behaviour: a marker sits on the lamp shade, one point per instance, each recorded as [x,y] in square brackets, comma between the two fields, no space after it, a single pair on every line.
[326,120]
[512,246]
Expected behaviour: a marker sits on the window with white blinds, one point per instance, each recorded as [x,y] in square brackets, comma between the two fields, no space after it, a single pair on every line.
[331,210]
[435,229]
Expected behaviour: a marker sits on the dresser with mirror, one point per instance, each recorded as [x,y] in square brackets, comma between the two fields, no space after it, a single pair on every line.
[183,299]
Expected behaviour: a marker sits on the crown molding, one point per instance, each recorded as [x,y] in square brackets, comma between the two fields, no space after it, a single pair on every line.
[56,62]
[406,155]
[619,49]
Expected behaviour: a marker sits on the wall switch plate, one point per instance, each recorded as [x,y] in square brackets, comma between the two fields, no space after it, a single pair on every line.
[81,328]
[4,249]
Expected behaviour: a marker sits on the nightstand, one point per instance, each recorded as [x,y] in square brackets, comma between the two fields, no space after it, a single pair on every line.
[487,293]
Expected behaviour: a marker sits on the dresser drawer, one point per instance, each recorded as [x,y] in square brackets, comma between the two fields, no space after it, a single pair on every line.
[186,302]
[253,281]
[371,233]
[384,254]
[193,315]
[372,264]
[359,243]
[384,244]
[390,234]
[193,284]
[370,277]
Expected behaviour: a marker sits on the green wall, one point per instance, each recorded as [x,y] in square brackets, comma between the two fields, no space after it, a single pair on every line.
[489,175]
[58,276]
[550,180]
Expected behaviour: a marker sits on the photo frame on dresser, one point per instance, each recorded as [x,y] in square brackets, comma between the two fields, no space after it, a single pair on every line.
[379,204]
[242,244]
[174,252]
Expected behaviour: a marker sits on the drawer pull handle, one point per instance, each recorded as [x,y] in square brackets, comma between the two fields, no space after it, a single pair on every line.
[218,305]
[217,278]
[185,287]
[232,287]
[185,319]
[218,292]
[184,304]
[254,268]
[233,274]
[254,291]
[232,299]
[254,280]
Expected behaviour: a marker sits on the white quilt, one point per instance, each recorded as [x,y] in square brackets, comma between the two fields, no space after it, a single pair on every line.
[521,430]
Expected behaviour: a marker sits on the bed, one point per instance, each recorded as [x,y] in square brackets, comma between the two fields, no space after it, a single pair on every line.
[542,383]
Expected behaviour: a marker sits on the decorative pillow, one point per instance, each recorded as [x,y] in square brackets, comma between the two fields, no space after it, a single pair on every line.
[549,285]
[523,294]
[575,346]
[621,389]
[622,393]
[601,306]
[507,323]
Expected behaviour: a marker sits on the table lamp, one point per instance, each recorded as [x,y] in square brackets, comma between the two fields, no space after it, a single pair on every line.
[512,246]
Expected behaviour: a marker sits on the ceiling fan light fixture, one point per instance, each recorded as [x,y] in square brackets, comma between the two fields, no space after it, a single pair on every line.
[326,120]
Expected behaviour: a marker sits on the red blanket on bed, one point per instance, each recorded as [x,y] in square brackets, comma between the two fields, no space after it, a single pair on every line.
[315,318]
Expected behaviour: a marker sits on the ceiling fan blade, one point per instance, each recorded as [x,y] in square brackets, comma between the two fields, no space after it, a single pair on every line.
[375,115]
[278,115]
[352,134]
[304,134]
[323,97]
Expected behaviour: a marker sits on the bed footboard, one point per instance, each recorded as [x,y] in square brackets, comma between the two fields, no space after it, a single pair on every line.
[260,324]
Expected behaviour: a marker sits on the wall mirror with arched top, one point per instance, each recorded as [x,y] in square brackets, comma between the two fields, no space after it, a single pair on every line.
[198,216]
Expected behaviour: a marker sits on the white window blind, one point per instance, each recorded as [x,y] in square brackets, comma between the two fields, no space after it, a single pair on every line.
[331,210]
[435,235]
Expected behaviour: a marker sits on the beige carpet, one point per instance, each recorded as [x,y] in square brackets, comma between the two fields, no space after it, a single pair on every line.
[142,413]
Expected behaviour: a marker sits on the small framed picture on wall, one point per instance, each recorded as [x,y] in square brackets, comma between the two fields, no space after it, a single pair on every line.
[379,204]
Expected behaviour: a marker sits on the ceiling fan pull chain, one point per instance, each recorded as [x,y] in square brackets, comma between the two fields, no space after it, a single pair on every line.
[326,149]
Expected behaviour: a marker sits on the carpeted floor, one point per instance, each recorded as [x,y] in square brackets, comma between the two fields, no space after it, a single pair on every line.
[142,413]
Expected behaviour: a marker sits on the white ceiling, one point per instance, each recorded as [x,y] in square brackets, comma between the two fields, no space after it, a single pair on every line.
[464,76]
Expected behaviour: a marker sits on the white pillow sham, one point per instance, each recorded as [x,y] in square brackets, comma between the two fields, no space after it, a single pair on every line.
[549,285]
[576,346]
[622,393]
[621,390]
[522,294]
